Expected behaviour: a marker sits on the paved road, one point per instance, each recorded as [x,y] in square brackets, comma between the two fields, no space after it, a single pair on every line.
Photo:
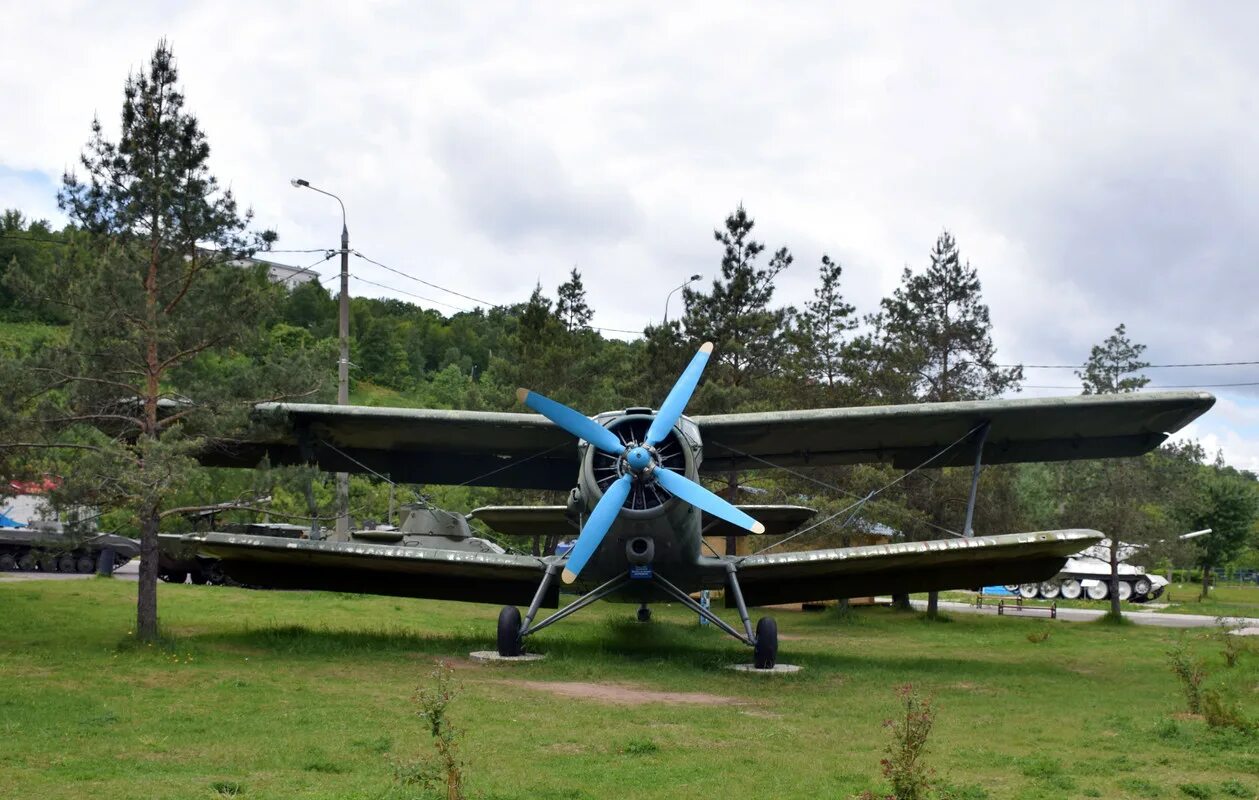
[127,572]
[1087,614]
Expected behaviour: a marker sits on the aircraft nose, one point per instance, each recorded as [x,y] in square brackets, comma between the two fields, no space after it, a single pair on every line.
[638,459]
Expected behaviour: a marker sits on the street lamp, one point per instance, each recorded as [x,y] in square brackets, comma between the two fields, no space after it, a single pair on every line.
[688,282]
[343,365]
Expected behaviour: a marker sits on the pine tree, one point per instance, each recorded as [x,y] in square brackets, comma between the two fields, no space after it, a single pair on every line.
[1109,363]
[163,348]
[823,326]
[570,303]
[750,337]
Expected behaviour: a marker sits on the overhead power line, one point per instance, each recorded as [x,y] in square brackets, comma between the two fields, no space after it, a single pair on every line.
[1165,386]
[1147,366]
[408,294]
[427,283]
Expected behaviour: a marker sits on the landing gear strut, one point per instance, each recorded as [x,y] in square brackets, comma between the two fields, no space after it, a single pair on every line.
[512,630]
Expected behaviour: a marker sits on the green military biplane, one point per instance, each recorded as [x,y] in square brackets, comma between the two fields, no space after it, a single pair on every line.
[633,494]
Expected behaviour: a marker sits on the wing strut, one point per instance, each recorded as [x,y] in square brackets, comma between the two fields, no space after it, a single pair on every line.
[968,530]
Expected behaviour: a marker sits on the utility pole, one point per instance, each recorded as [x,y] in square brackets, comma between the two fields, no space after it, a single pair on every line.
[343,363]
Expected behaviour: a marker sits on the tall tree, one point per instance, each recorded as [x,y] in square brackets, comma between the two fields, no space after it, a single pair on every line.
[1112,365]
[1227,502]
[736,314]
[822,328]
[570,303]
[938,334]
[162,346]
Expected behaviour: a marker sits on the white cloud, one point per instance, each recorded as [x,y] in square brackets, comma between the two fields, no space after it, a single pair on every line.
[1096,162]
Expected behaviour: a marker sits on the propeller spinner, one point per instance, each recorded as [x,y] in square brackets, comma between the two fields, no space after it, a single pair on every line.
[640,461]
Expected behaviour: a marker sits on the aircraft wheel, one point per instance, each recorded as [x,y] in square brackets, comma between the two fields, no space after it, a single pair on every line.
[7,562]
[1099,590]
[84,564]
[765,654]
[644,614]
[1125,590]
[1141,587]
[1029,590]
[509,643]
[26,562]
[1050,589]
[1070,589]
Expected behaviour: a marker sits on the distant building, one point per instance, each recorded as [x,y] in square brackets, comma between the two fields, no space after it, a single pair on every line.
[279,273]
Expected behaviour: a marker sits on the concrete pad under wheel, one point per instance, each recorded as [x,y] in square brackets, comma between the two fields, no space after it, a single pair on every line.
[493,656]
[777,669]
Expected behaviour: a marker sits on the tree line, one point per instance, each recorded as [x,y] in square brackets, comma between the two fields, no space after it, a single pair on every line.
[138,332]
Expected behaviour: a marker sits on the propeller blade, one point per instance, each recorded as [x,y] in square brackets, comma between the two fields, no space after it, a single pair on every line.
[679,396]
[701,498]
[596,527]
[574,422]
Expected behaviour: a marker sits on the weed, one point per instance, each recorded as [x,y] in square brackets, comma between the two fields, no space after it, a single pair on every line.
[1091,793]
[1047,770]
[318,762]
[904,766]
[1221,711]
[1191,674]
[448,769]
[1232,644]
[1037,638]
[969,791]
[1111,618]
[1195,790]
[1235,789]
[1167,728]
[640,747]
[227,788]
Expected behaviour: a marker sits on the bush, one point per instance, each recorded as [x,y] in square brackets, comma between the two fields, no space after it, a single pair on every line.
[1189,671]
[447,770]
[905,766]
[1221,711]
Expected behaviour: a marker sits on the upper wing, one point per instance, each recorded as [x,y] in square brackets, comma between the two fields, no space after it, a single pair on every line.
[527,451]
[272,562]
[553,520]
[963,563]
[1024,429]
[411,445]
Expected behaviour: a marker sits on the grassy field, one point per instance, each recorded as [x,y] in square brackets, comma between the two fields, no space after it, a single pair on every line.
[281,695]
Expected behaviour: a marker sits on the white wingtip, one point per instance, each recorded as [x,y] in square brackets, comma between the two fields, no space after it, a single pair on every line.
[706,347]
[569,576]
[758,527]
[521,394]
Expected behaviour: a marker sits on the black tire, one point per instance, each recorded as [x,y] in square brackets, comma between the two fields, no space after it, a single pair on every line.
[26,562]
[65,563]
[644,614]
[84,564]
[765,654]
[47,564]
[509,643]
[7,562]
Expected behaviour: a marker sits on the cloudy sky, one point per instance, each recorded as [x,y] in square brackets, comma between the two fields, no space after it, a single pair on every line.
[1096,163]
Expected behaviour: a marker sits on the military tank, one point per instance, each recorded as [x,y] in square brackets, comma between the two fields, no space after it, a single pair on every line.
[1087,574]
[426,526]
[48,546]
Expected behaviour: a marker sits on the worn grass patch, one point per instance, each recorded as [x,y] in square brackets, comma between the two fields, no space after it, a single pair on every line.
[299,694]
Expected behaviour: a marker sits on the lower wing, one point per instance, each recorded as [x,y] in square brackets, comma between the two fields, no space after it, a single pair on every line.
[272,562]
[963,563]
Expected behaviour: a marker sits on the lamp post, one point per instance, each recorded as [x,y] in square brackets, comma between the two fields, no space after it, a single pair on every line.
[343,364]
[688,282]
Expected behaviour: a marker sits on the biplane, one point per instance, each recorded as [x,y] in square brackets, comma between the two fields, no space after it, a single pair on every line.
[632,477]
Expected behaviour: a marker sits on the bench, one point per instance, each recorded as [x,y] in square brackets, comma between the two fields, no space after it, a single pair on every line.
[1015,604]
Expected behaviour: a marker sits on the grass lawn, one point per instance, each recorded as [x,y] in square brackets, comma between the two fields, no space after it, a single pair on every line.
[308,695]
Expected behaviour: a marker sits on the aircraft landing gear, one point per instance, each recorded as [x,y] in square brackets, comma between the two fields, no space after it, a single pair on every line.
[509,643]
[644,613]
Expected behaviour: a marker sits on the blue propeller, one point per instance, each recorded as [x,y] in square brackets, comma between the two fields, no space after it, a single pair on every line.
[639,460]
